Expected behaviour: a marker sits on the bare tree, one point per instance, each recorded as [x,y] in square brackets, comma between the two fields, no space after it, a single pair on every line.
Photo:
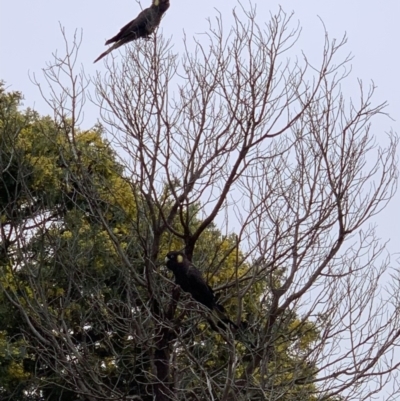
[234,134]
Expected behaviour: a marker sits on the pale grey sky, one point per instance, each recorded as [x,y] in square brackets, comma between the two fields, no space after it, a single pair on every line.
[29,33]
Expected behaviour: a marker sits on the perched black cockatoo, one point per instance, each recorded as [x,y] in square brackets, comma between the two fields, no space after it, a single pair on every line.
[141,27]
[190,280]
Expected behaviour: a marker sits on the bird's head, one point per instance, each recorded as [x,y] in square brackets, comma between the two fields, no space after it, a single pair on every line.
[162,4]
[173,258]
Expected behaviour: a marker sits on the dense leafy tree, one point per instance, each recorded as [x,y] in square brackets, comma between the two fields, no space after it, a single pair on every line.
[68,298]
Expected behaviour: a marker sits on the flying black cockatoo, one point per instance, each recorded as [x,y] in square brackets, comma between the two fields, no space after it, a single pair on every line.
[141,27]
[191,280]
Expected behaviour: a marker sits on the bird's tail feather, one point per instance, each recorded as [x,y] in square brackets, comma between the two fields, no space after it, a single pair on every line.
[220,319]
[113,39]
[109,50]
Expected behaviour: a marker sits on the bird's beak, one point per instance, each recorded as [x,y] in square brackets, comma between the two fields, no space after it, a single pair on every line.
[166,259]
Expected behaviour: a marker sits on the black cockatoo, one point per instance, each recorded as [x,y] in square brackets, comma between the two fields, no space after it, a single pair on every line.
[141,27]
[189,278]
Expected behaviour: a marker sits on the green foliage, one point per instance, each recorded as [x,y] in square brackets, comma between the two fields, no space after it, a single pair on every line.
[78,299]
[55,256]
